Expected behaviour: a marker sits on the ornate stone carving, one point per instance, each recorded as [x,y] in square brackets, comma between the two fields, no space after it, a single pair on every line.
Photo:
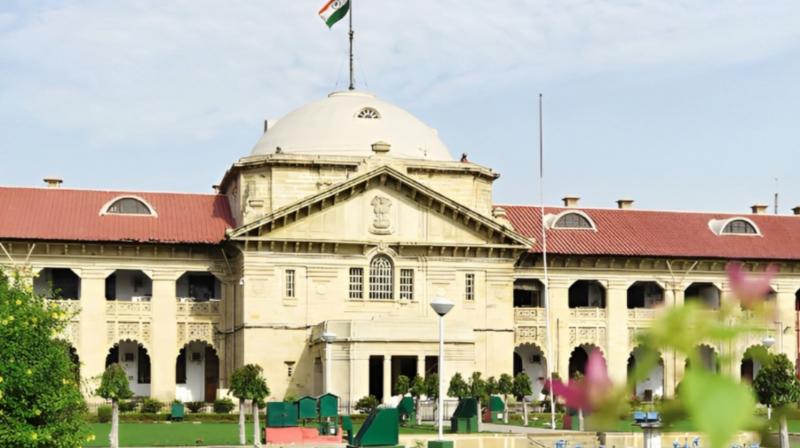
[381,223]
[530,335]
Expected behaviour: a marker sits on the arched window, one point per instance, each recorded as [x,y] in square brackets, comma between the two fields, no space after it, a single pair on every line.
[128,206]
[381,278]
[369,113]
[740,227]
[573,221]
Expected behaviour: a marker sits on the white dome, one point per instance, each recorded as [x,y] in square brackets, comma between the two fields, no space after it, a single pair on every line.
[347,124]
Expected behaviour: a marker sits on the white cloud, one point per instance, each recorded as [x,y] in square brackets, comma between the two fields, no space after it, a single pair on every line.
[130,70]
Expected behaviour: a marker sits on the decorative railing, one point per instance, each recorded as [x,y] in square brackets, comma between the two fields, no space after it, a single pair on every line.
[71,307]
[597,314]
[529,314]
[125,308]
[642,313]
[211,307]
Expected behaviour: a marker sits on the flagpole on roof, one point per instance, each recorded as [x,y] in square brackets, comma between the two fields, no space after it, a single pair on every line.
[546,283]
[352,76]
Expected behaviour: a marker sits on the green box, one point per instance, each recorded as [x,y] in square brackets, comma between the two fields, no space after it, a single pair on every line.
[306,407]
[281,414]
[497,409]
[465,418]
[328,405]
[381,428]
[406,410]
[176,411]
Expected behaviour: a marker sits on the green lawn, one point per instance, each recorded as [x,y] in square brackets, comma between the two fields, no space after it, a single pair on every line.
[171,434]
[188,433]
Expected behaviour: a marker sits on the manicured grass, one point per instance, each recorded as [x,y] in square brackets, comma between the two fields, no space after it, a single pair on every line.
[188,433]
[171,434]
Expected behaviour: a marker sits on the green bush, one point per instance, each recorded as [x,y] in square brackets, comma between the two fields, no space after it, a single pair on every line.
[367,404]
[128,406]
[151,406]
[195,406]
[223,406]
[104,413]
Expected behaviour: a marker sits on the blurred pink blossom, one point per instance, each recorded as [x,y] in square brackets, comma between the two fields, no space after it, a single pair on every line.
[588,392]
[749,288]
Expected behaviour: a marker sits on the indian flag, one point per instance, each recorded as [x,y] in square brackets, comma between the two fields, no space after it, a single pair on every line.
[334,11]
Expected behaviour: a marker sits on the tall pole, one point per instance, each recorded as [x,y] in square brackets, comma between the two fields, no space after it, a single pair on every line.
[352,76]
[549,339]
[441,378]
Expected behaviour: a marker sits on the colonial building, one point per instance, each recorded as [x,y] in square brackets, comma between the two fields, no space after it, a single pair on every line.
[320,251]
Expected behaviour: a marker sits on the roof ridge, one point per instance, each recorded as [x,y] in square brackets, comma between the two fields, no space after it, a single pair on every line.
[95,190]
[614,209]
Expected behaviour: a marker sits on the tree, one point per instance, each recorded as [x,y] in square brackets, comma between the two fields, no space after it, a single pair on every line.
[114,386]
[505,387]
[480,392]
[432,392]
[491,385]
[248,383]
[40,401]
[458,388]
[417,389]
[520,389]
[367,404]
[402,386]
[777,386]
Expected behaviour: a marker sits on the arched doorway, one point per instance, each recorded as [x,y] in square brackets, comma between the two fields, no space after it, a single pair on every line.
[752,360]
[135,360]
[587,294]
[708,357]
[705,294]
[534,364]
[196,372]
[578,359]
[652,386]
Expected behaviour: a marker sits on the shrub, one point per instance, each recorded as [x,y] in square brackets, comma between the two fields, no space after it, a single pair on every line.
[195,406]
[104,413]
[128,406]
[151,406]
[367,404]
[223,406]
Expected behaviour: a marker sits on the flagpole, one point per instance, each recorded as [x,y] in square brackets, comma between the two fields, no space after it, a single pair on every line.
[549,339]
[352,77]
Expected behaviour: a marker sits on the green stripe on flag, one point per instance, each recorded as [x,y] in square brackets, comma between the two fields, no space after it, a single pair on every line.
[338,15]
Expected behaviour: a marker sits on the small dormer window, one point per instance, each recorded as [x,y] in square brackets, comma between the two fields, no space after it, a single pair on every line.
[128,206]
[573,221]
[369,114]
[739,227]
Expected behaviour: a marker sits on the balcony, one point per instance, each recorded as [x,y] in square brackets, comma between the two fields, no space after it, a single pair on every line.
[126,308]
[529,314]
[642,314]
[588,314]
[188,307]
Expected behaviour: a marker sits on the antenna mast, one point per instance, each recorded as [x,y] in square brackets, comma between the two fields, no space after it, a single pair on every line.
[546,283]
[351,33]
[776,195]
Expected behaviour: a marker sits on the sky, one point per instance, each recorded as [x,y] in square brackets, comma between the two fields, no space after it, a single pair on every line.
[677,104]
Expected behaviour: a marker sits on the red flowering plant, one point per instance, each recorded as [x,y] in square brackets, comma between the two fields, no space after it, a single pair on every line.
[716,404]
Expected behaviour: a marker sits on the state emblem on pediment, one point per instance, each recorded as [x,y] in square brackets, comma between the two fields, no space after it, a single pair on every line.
[381,221]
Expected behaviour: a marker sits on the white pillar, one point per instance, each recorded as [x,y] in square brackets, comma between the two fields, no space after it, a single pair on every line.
[387,378]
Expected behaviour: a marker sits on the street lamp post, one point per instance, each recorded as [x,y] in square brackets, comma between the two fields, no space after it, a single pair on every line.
[441,306]
[328,338]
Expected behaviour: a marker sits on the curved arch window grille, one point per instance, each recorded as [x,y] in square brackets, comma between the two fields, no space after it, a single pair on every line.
[741,227]
[573,221]
[381,278]
[129,206]
[369,113]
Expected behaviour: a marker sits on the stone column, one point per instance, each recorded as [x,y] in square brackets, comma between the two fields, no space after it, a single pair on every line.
[559,325]
[163,344]
[617,347]
[93,344]
[786,341]
[359,378]
[387,378]
[421,366]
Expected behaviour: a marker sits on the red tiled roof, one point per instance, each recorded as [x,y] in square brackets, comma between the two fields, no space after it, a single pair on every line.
[661,234]
[74,215]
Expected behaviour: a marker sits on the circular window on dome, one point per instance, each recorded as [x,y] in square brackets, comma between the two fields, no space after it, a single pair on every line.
[368,113]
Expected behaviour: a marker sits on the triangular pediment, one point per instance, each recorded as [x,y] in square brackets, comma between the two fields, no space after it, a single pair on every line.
[383,205]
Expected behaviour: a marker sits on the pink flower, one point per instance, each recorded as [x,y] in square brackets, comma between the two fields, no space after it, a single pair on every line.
[588,392]
[750,289]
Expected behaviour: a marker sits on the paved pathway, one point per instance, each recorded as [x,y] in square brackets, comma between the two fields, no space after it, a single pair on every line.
[494,427]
